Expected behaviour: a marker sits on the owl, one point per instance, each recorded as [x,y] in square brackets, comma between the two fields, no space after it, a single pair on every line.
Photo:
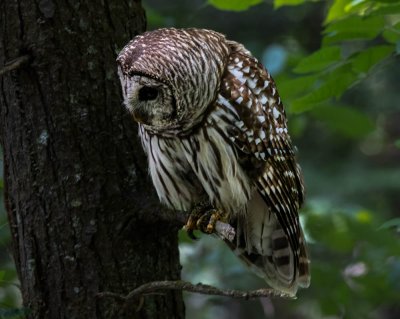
[215,132]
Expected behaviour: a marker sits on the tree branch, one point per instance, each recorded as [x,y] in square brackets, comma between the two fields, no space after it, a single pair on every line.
[225,230]
[157,286]
[14,64]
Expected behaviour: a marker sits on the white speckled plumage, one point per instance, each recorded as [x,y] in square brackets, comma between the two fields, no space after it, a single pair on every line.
[214,128]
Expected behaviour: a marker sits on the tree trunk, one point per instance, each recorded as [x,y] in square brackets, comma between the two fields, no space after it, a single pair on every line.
[82,212]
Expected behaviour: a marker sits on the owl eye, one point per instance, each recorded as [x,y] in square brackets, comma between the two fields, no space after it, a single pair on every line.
[148,93]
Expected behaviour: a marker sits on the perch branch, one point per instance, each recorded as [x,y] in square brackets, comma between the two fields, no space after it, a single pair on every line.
[14,64]
[221,229]
[225,230]
[157,286]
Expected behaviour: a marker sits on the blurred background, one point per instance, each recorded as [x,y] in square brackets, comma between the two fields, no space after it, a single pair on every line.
[337,70]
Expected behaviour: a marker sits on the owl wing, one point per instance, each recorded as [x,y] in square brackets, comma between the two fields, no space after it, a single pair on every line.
[260,132]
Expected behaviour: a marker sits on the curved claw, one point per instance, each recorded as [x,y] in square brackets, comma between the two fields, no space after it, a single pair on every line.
[203,223]
[190,227]
[203,217]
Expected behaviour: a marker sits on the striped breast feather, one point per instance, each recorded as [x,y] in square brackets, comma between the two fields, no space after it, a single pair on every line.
[170,171]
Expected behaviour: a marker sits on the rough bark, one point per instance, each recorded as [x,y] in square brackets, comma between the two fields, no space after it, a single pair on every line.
[82,212]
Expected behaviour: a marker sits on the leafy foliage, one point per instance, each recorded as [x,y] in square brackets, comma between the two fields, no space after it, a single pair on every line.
[363,261]
[233,5]
[345,120]
[341,63]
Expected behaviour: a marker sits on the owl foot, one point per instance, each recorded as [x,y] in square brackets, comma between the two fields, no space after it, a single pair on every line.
[206,223]
[203,217]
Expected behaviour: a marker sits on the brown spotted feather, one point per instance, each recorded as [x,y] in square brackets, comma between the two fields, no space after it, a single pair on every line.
[262,132]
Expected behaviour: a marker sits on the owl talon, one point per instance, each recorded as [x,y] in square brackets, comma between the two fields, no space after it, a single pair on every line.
[191,226]
[202,218]
[206,223]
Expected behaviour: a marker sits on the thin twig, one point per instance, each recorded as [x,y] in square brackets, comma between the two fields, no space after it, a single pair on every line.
[156,286]
[221,229]
[224,230]
[14,64]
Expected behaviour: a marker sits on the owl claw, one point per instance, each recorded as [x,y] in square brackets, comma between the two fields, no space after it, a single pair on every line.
[191,226]
[202,220]
[206,223]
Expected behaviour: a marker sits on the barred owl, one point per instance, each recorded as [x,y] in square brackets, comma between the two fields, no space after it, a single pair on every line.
[213,126]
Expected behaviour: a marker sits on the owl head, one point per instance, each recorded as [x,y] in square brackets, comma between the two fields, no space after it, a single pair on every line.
[170,76]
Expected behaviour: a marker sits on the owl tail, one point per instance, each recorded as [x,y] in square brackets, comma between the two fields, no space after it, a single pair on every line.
[262,244]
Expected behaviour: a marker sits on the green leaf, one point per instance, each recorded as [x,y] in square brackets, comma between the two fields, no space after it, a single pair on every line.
[337,10]
[319,60]
[397,143]
[234,5]
[291,88]
[392,35]
[360,7]
[281,3]
[364,60]
[353,28]
[345,120]
[387,9]
[334,85]
[1,184]
[386,1]
[363,216]
[395,222]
